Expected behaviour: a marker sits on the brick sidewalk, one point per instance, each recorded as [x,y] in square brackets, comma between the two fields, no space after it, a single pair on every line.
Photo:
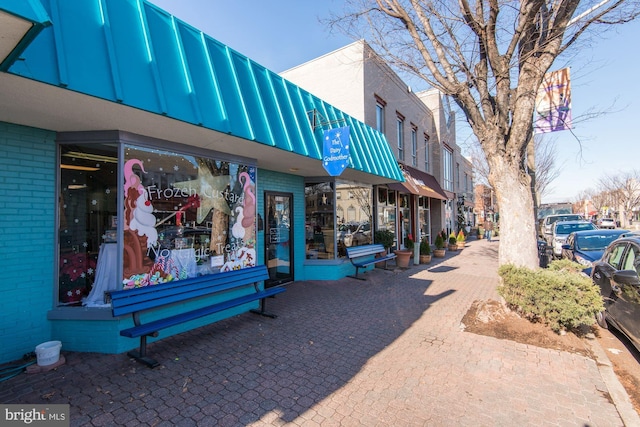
[388,351]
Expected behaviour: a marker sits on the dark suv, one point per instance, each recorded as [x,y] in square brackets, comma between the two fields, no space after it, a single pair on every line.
[617,275]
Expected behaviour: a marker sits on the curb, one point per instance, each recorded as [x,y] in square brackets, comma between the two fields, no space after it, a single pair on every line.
[617,392]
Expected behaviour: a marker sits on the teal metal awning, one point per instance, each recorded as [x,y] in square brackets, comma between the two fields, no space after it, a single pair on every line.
[135,54]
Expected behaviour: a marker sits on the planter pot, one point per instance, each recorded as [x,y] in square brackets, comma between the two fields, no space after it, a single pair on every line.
[403,258]
[460,246]
[425,259]
[438,253]
[381,264]
[452,247]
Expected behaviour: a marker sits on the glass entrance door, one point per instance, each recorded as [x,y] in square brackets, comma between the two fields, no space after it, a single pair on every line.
[278,242]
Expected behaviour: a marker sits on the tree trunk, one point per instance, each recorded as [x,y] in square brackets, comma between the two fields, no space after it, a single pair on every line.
[518,236]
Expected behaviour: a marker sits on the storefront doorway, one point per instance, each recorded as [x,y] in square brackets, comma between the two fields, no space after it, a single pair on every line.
[278,242]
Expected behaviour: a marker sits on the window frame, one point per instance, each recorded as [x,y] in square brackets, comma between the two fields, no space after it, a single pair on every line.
[400,135]
[414,145]
[380,114]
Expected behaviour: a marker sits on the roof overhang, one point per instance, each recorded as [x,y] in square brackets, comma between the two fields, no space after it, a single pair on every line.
[20,24]
[34,104]
[139,70]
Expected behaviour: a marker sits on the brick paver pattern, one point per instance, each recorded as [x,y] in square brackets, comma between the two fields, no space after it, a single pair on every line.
[388,351]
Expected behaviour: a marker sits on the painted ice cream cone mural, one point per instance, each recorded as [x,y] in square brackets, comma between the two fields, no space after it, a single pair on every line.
[167,193]
[243,229]
[232,207]
[143,221]
[139,222]
[246,214]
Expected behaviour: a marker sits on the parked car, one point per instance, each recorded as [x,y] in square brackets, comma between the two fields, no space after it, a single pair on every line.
[607,223]
[354,234]
[617,276]
[585,247]
[561,231]
[549,220]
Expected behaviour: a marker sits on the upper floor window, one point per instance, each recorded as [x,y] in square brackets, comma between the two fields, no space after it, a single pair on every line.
[426,152]
[400,136]
[380,104]
[447,157]
[414,146]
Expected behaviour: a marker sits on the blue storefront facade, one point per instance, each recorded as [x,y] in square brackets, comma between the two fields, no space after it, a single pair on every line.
[135,150]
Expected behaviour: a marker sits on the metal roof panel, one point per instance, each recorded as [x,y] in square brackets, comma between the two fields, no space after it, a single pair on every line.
[134,53]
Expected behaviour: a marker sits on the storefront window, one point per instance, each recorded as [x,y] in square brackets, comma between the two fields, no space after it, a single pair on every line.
[320,220]
[355,229]
[424,215]
[87,213]
[386,210]
[405,218]
[182,216]
[185,216]
[334,224]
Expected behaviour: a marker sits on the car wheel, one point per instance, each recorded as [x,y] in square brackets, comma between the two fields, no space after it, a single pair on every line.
[601,318]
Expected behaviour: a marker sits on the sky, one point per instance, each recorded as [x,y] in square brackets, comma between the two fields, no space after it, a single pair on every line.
[280,34]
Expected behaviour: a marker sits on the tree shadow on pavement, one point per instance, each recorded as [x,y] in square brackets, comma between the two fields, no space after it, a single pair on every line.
[242,369]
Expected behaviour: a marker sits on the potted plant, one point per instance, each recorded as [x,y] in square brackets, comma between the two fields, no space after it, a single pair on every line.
[425,252]
[385,238]
[403,256]
[460,239]
[453,243]
[438,252]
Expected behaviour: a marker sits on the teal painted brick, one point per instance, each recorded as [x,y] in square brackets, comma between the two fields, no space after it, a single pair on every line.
[275,181]
[27,202]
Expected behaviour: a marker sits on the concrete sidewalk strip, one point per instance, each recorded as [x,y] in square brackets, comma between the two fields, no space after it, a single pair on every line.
[388,351]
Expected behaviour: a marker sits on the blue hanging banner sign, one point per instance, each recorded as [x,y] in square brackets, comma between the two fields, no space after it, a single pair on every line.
[335,151]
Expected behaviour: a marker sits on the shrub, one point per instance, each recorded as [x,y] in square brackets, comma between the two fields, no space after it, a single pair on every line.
[439,242]
[460,236]
[425,247]
[452,238]
[565,264]
[559,297]
[384,237]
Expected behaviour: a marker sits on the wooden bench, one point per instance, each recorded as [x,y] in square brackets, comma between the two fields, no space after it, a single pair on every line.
[361,256]
[136,301]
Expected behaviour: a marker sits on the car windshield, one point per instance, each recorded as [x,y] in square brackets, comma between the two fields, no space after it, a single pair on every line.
[553,219]
[595,242]
[570,228]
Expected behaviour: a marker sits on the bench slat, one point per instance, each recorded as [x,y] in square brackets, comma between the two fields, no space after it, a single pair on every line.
[374,261]
[140,299]
[359,251]
[153,326]
[137,301]
[360,256]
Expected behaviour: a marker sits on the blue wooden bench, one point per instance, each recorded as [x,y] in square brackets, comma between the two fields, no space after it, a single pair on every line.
[362,256]
[136,301]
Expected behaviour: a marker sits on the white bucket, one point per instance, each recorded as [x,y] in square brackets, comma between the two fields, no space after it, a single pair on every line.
[48,353]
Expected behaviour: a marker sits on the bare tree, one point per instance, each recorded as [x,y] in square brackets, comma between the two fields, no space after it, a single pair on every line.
[491,58]
[599,199]
[547,170]
[623,193]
